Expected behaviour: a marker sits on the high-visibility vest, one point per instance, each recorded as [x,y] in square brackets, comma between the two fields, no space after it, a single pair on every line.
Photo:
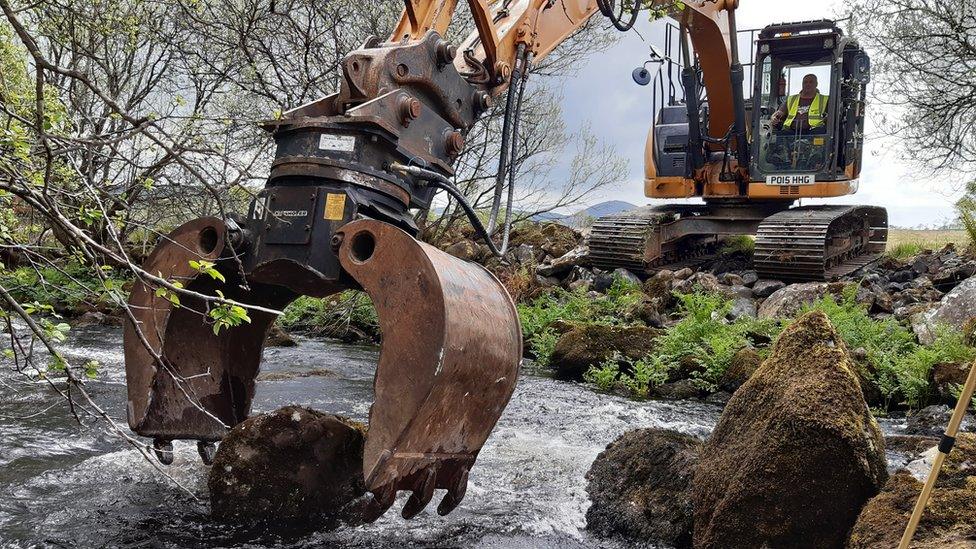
[816,114]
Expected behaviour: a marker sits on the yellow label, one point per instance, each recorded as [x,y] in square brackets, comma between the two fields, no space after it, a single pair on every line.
[818,140]
[335,205]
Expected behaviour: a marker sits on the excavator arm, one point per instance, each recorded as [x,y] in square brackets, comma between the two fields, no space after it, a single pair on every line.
[335,214]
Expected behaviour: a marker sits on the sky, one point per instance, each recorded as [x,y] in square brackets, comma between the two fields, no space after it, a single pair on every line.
[602,94]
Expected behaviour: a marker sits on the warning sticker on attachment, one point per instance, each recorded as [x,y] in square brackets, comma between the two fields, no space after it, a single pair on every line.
[335,206]
[341,143]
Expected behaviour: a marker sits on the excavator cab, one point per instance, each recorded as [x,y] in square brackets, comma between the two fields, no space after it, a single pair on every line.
[808,97]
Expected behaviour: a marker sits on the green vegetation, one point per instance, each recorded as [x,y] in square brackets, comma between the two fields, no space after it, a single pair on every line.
[702,344]
[738,245]
[702,337]
[619,306]
[334,315]
[70,287]
[905,243]
[898,365]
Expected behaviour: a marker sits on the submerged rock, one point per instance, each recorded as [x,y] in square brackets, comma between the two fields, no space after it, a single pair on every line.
[589,345]
[949,520]
[278,337]
[639,487]
[795,454]
[293,468]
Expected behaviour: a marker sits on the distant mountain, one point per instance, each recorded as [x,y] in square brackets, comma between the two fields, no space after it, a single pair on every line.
[610,207]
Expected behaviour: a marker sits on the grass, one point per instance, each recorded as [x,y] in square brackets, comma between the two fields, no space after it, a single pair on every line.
[905,243]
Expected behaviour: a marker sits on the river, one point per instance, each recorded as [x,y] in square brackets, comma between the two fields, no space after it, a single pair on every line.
[65,485]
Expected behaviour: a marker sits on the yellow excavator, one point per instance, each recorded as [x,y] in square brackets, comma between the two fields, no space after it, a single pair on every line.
[349,168]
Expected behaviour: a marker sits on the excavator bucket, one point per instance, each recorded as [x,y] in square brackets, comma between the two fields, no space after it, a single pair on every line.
[448,365]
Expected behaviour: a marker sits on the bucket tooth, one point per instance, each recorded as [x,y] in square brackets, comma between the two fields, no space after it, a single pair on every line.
[448,365]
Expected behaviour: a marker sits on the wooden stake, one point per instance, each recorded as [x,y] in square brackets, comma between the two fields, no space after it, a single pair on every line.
[945,446]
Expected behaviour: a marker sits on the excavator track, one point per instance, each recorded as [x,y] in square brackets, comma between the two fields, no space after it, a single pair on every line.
[820,242]
[623,240]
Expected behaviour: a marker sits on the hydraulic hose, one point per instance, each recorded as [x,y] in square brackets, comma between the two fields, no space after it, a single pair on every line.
[496,201]
[607,9]
[526,61]
[441,182]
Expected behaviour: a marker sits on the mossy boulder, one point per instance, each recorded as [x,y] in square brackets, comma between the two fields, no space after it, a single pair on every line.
[795,454]
[950,516]
[640,487]
[292,468]
[744,364]
[589,345]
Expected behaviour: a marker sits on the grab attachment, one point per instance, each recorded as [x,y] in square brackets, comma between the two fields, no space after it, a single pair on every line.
[451,347]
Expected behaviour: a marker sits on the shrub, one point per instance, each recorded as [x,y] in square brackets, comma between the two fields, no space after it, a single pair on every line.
[902,367]
[332,315]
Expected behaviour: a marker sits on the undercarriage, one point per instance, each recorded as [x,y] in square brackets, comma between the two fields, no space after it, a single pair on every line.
[803,243]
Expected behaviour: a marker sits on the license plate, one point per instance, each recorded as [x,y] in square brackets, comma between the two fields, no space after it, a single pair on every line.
[793,179]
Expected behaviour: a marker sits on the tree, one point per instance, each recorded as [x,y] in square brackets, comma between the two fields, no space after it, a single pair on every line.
[924,57]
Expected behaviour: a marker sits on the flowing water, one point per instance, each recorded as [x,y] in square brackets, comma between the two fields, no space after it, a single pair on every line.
[65,485]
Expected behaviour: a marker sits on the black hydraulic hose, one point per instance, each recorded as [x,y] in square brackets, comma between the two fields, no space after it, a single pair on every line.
[526,60]
[441,182]
[496,200]
[606,8]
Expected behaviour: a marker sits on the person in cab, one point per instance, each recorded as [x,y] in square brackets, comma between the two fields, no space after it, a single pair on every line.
[805,111]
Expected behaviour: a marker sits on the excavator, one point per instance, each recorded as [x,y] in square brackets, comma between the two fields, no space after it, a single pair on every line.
[349,169]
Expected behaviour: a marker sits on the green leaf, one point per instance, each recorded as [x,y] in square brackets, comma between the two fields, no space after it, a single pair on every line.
[91,369]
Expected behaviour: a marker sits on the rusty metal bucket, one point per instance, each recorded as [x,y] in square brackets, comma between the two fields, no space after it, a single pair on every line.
[451,347]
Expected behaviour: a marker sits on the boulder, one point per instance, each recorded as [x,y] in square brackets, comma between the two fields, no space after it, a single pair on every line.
[278,337]
[563,263]
[659,291]
[749,278]
[524,254]
[745,363]
[683,389]
[947,377]
[955,309]
[787,302]
[698,282]
[766,288]
[292,468]
[731,279]
[589,345]
[464,249]
[624,274]
[682,274]
[554,239]
[639,487]
[795,454]
[949,520]
[930,421]
[743,307]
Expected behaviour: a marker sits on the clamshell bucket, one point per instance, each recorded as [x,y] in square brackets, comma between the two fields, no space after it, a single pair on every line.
[448,365]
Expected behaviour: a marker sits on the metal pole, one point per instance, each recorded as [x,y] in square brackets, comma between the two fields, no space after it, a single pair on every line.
[945,446]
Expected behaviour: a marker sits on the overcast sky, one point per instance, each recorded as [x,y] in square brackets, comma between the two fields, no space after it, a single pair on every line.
[603,95]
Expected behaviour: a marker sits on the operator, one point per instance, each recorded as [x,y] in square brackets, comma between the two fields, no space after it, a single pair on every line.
[806,110]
